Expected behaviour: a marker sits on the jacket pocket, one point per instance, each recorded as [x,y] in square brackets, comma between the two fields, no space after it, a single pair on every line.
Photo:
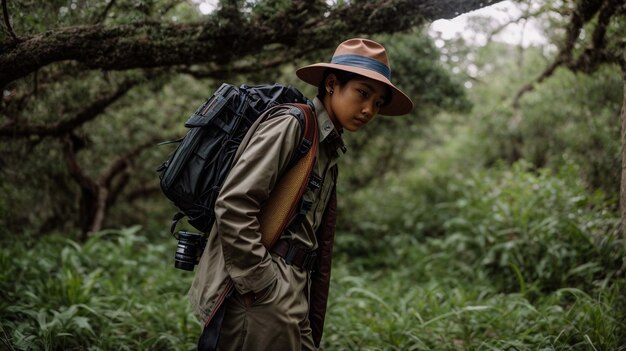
[267,294]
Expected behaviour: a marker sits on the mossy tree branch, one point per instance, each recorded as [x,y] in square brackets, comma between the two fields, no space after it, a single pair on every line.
[226,34]
[13,130]
[591,57]
[99,194]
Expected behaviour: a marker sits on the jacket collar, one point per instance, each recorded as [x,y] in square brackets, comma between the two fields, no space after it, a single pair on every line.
[328,133]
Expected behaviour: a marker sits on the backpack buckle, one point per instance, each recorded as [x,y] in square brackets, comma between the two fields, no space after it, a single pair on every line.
[309,261]
[304,147]
[291,254]
[315,182]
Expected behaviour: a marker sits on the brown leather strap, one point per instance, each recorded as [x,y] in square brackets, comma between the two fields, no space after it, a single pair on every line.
[281,206]
[294,255]
[310,123]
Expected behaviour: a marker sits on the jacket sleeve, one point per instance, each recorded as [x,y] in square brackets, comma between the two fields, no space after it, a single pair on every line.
[244,191]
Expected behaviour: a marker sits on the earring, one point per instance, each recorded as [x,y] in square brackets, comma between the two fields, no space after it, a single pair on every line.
[331,92]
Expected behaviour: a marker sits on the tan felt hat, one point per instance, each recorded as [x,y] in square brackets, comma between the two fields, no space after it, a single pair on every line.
[367,58]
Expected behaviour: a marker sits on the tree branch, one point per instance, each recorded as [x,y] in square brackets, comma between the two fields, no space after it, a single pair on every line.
[122,162]
[120,168]
[590,58]
[530,86]
[104,13]
[98,196]
[250,66]
[107,193]
[525,16]
[7,20]
[119,186]
[168,7]
[218,39]
[69,152]
[143,191]
[13,130]
[45,79]
[622,197]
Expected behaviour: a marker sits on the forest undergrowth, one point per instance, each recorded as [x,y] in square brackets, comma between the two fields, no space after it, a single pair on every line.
[504,259]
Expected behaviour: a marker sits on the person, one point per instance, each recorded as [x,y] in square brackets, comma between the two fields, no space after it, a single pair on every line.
[279,297]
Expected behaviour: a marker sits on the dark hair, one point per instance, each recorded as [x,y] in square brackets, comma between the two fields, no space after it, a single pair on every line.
[343,77]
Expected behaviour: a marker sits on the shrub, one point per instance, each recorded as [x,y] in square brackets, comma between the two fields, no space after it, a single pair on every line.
[113,292]
[530,231]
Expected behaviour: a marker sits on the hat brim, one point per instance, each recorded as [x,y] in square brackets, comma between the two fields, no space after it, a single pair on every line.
[400,104]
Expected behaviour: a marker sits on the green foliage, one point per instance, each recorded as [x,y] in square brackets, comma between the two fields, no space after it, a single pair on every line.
[154,110]
[42,193]
[447,258]
[417,69]
[117,291]
[32,17]
[469,224]
[529,231]
[388,311]
[560,109]
[569,118]
[121,291]
[545,228]
[35,194]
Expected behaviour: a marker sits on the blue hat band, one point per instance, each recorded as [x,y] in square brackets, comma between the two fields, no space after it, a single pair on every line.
[363,62]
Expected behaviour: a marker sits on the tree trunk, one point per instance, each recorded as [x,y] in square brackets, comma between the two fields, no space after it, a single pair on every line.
[87,210]
[100,210]
[622,195]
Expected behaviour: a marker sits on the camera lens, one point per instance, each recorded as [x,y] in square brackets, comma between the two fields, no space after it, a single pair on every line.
[188,249]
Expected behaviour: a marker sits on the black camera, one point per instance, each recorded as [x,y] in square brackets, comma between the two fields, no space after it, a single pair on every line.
[189,249]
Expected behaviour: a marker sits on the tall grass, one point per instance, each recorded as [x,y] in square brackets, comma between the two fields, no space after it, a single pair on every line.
[504,258]
[117,291]
[391,312]
[426,297]
[527,229]
[500,259]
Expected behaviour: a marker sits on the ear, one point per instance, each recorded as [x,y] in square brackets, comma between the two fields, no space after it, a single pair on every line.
[330,82]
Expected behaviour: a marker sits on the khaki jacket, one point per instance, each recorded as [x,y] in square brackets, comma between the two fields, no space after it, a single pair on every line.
[234,255]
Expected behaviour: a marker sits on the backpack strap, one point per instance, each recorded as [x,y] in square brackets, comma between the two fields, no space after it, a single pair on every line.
[309,124]
[314,181]
[284,200]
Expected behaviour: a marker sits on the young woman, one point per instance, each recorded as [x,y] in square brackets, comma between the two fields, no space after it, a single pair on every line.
[280,294]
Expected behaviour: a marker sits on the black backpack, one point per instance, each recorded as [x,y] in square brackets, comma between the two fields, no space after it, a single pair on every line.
[193,175]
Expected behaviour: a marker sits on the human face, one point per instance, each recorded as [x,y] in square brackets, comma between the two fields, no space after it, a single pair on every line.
[354,104]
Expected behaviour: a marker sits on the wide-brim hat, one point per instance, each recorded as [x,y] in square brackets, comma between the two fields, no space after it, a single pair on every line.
[367,58]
